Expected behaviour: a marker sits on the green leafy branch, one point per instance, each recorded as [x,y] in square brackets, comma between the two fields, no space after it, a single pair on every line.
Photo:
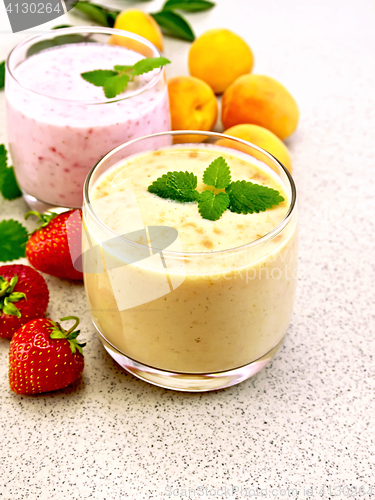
[242,197]
[171,23]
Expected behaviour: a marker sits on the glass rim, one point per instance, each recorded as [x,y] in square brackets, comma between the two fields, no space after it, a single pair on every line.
[260,241]
[86,29]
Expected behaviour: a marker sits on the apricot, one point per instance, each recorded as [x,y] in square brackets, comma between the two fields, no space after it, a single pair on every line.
[140,23]
[218,57]
[262,138]
[260,100]
[193,106]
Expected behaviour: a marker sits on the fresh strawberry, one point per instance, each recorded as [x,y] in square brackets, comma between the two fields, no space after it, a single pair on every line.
[43,357]
[49,249]
[23,296]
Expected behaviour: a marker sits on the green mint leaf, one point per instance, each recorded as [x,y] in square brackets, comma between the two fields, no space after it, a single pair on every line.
[3,158]
[13,238]
[2,74]
[188,5]
[98,14]
[212,206]
[159,187]
[98,77]
[149,64]
[183,184]
[178,186]
[247,197]
[115,85]
[174,25]
[8,185]
[217,174]
[120,68]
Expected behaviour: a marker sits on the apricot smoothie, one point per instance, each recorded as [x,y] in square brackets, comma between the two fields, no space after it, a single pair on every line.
[59,125]
[228,296]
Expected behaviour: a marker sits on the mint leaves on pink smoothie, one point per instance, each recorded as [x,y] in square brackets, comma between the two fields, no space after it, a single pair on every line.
[115,81]
[241,197]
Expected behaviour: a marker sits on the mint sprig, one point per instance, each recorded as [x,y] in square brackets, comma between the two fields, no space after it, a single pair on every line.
[241,197]
[115,81]
[8,184]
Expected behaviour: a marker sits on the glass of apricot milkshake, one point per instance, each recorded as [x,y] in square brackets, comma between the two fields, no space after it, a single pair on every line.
[190,255]
[59,124]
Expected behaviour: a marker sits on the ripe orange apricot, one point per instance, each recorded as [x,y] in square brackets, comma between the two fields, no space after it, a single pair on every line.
[260,100]
[193,106]
[218,57]
[261,137]
[140,23]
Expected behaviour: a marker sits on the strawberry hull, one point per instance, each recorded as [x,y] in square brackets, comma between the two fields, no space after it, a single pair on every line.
[32,306]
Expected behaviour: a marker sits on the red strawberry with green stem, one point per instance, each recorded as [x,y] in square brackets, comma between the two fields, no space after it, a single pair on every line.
[49,248]
[43,357]
[23,296]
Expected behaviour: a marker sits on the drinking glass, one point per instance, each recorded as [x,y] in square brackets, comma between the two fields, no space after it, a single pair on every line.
[55,141]
[190,321]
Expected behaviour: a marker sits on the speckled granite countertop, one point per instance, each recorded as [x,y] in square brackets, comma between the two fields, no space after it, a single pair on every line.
[305,421]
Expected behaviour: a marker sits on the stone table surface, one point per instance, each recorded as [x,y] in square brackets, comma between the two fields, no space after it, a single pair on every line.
[305,421]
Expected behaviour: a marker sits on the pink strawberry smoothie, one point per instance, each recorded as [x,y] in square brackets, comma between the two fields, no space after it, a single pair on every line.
[59,125]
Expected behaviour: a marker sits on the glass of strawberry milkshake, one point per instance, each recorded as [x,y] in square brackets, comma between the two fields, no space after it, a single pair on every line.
[59,125]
